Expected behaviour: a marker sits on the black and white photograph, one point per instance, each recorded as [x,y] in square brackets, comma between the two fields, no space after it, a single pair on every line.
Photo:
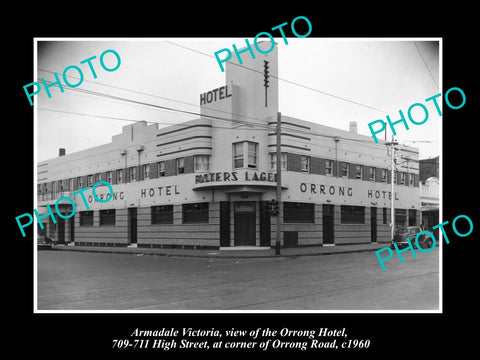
[194,216]
[230,180]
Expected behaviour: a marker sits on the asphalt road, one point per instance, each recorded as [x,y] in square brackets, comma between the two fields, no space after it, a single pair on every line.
[354,281]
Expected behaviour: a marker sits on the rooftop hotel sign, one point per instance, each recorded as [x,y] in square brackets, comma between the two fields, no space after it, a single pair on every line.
[214,95]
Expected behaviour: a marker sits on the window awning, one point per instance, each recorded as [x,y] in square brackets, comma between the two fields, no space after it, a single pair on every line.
[239,186]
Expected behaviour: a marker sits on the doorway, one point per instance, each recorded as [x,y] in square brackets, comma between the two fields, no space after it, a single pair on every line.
[244,223]
[328,234]
[373,224]
[61,231]
[132,225]
[72,229]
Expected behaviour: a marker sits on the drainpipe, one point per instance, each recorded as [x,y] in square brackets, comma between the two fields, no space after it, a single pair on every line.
[336,139]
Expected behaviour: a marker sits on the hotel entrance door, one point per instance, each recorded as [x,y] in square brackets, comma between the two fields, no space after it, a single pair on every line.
[244,224]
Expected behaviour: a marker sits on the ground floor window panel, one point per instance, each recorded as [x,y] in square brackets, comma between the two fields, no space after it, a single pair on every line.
[86,218]
[352,214]
[294,212]
[162,214]
[107,217]
[195,213]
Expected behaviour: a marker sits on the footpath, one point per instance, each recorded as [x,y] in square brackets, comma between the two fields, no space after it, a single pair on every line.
[234,252]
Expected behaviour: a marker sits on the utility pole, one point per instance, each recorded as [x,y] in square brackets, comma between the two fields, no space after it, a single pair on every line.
[392,197]
[279,183]
[266,76]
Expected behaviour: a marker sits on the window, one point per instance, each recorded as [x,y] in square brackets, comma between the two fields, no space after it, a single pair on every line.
[329,167]
[79,182]
[352,214]
[245,150]
[59,187]
[384,216]
[107,217]
[96,178]
[395,176]
[400,217]
[90,180]
[201,163]
[411,179]
[252,155]
[109,176]
[86,218]
[180,166]
[161,168]
[412,217]
[162,214]
[119,176]
[70,184]
[371,173]
[146,171]
[132,173]
[298,212]
[195,213]
[402,178]
[305,161]
[238,155]
[273,161]
[359,172]
[384,175]
[345,168]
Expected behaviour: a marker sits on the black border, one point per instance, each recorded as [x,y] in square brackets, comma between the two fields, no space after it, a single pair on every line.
[62,335]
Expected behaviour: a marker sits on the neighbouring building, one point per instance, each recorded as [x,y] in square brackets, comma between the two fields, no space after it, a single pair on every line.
[429,193]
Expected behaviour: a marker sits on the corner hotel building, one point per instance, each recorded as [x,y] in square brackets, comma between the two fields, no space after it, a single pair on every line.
[205,183]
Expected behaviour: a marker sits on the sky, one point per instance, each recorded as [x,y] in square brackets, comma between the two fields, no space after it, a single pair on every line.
[342,80]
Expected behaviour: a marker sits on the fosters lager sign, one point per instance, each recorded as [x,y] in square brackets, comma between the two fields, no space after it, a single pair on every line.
[235,176]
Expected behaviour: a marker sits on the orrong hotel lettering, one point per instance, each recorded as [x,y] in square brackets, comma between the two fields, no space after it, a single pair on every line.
[381,194]
[160,191]
[116,196]
[323,189]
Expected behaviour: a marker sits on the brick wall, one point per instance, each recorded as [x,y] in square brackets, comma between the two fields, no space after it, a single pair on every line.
[178,233]
[103,235]
[312,233]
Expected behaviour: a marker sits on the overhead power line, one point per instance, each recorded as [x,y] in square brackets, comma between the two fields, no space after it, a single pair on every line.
[287,81]
[153,95]
[245,123]
[91,92]
[425,63]
[127,119]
